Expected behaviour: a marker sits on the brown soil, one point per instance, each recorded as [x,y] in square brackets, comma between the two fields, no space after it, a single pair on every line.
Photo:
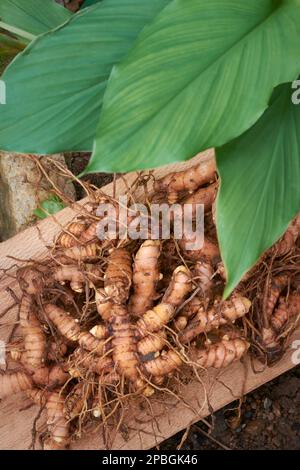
[77,163]
[269,419]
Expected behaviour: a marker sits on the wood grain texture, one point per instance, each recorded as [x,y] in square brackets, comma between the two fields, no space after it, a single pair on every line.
[141,430]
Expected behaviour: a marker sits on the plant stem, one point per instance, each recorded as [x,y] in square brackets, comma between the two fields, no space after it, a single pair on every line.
[17,31]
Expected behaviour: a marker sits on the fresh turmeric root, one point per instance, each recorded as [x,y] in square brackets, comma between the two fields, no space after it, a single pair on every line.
[76,400]
[164,364]
[204,271]
[145,277]
[78,277]
[34,336]
[190,309]
[104,304]
[81,253]
[100,331]
[71,236]
[287,242]
[286,310]
[57,422]
[37,396]
[91,367]
[209,250]
[90,234]
[26,306]
[48,376]
[90,343]
[221,313]
[179,287]
[34,341]
[187,180]
[152,343]
[31,279]
[270,344]
[72,274]
[273,291]
[155,319]
[14,382]
[118,275]
[205,196]
[65,324]
[124,343]
[221,354]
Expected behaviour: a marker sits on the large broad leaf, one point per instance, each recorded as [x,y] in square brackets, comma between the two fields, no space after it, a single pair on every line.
[33,16]
[199,75]
[88,3]
[260,186]
[55,87]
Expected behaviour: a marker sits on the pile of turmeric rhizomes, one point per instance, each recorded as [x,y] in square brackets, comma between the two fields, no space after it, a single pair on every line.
[102,321]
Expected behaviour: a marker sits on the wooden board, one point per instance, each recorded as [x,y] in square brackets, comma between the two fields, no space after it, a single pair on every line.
[142,431]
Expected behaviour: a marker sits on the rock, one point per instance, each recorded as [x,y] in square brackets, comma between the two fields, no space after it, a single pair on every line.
[267,403]
[21,191]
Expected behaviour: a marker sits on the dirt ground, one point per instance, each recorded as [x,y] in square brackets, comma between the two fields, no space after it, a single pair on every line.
[269,419]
